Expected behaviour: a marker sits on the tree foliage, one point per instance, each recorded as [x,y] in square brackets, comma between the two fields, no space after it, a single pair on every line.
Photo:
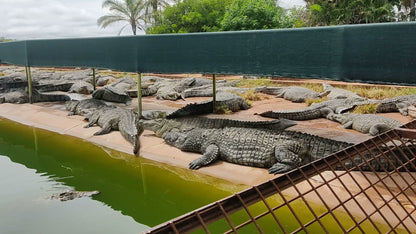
[333,12]
[190,16]
[260,14]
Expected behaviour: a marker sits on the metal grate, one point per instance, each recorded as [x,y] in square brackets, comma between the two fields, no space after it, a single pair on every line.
[367,188]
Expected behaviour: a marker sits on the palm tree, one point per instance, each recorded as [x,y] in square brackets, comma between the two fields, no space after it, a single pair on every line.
[125,10]
[153,6]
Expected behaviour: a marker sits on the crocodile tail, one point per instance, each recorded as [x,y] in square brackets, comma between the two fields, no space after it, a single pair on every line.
[42,97]
[320,147]
[303,114]
[192,109]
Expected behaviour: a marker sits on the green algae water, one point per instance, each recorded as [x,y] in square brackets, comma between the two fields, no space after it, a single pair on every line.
[135,193]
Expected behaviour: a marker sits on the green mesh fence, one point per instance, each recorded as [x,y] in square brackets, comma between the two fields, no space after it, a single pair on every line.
[378,53]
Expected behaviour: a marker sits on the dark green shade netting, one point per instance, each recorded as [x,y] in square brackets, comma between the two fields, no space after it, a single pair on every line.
[373,53]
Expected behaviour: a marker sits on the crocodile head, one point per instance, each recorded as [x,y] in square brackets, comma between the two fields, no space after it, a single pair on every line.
[71,105]
[187,141]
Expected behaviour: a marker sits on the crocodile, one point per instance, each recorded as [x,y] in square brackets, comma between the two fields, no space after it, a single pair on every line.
[366,123]
[112,94]
[337,93]
[396,104]
[291,93]
[172,90]
[22,96]
[206,90]
[72,194]
[83,107]
[231,100]
[317,110]
[279,151]
[116,118]
[81,87]
[161,126]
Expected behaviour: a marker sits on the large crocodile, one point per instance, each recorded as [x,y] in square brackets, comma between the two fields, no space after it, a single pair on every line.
[83,107]
[366,123]
[396,104]
[317,110]
[161,126]
[291,93]
[207,90]
[279,151]
[171,90]
[231,100]
[117,118]
[22,96]
[337,93]
[112,94]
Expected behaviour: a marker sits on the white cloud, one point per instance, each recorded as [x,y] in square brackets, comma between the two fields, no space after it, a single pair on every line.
[34,19]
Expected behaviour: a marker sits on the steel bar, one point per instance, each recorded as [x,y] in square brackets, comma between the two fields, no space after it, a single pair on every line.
[29,83]
[214,93]
[139,95]
[93,78]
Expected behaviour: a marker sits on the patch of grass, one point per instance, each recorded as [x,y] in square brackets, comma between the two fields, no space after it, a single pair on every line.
[223,109]
[250,95]
[117,75]
[366,109]
[2,74]
[315,100]
[380,92]
[249,83]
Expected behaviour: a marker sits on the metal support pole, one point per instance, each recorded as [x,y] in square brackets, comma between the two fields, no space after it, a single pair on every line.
[93,78]
[214,93]
[139,95]
[29,83]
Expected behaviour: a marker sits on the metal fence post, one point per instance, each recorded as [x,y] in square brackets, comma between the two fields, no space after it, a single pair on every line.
[214,93]
[93,78]
[29,83]
[139,94]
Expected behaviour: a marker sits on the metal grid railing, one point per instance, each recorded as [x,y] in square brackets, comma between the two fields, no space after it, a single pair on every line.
[367,188]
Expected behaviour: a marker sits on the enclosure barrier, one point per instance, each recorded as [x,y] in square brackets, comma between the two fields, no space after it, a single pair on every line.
[378,53]
[368,188]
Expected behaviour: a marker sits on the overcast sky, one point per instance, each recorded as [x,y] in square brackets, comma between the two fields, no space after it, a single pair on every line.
[33,19]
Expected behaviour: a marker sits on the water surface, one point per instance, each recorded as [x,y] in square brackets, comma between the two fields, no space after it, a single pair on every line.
[135,193]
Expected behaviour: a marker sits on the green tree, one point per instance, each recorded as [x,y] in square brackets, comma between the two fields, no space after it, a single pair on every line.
[249,14]
[190,16]
[130,11]
[324,12]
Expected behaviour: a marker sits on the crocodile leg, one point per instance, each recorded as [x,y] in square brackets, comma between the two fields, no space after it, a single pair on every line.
[347,124]
[378,128]
[91,121]
[289,156]
[105,129]
[210,155]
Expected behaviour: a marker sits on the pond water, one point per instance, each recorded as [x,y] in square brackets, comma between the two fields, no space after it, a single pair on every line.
[135,193]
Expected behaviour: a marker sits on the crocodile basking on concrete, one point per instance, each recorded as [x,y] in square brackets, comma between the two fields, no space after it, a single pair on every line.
[172,89]
[291,93]
[117,118]
[161,126]
[112,94]
[396,104]
[83,107]
[366,123]
[280,151]
[207,90]
[230,100]
[338,93]
[22,96]
[317,110]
